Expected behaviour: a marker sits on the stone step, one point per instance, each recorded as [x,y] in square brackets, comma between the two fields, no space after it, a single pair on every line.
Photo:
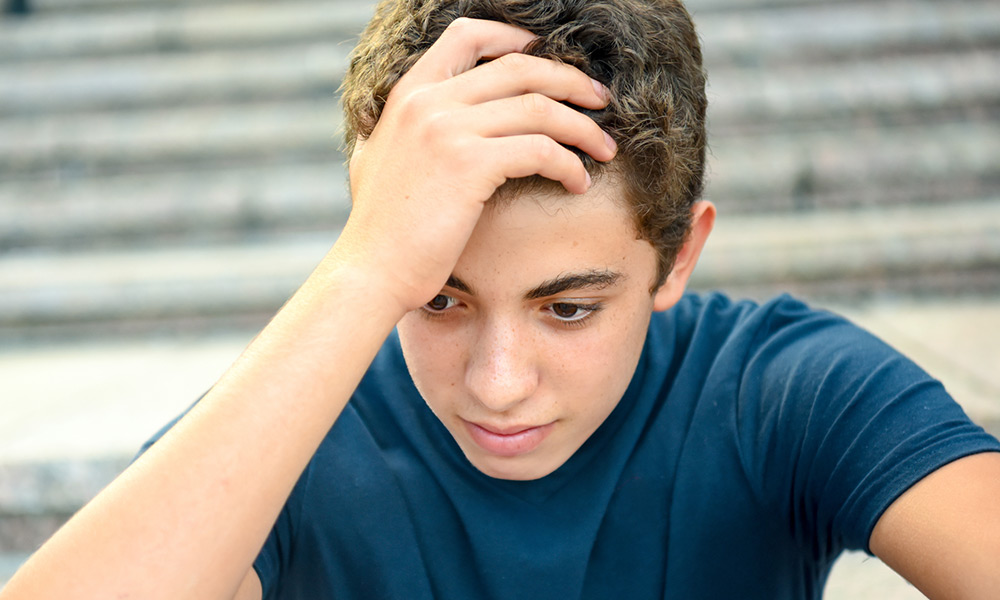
[883,90]
[223,204]
[739,95]
[77,6]
[37,497]
[74,146]
[9,563]
[82,6]
[697,7]
[795,31]
[175,27]
[150,289]
[120,83]
[944,250]
[921,163]
[846,31]
[263,193]
[837,253]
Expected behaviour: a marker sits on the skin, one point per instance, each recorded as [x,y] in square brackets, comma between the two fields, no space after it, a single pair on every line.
[189,517]
[943,534]
[540,328]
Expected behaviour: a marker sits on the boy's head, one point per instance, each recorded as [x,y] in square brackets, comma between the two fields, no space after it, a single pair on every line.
[645,52]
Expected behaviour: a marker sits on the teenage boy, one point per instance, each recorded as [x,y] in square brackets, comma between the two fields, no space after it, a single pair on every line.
[531,431]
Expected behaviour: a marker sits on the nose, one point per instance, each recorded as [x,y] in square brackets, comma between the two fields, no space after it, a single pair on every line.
[501,371]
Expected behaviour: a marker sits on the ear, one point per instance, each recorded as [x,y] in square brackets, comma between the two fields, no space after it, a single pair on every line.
[702,221]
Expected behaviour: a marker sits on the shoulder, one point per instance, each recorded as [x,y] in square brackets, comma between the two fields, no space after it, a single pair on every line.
[745,338]
[717,316]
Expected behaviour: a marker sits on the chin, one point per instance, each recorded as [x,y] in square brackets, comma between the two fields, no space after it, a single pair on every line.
[516,469]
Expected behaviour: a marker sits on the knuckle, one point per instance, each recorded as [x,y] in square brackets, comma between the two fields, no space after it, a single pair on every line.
[415,103]
[459,26]
[544,148]
[465,155]
[514,61]
[536,104]
[440,138]
[433,126]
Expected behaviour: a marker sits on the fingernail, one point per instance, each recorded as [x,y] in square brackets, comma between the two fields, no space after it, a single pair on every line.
[600,89]
[610,141]
[587,173]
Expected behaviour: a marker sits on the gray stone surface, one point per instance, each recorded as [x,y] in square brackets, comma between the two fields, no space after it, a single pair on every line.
[222,204]
[857,576]
[857,253]
[90,144]
[935,162]
[169,173]
[9,563]
[752,34]
[150,80]
[877,253]
[178,27]
[882,86]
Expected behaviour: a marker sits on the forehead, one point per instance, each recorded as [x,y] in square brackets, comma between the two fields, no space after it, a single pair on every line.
[523,241]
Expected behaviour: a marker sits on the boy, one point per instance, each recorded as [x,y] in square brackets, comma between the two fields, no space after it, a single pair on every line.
[530,430]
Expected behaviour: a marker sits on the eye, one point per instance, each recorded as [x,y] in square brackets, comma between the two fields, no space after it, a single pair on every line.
[440,303]
[569,312]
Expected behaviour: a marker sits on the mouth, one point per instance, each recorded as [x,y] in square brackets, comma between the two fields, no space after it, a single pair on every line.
[508,441]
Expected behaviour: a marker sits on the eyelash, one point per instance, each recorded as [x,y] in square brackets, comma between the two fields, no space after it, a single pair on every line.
[435,311]
[589,309]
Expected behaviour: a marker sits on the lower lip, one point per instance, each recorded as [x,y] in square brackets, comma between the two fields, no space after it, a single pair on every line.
[513,444]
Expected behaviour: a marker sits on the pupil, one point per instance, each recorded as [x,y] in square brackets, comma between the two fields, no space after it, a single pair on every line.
[440,302]
[564,310]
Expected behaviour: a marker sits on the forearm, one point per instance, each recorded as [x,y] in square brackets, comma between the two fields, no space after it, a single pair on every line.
[188,518]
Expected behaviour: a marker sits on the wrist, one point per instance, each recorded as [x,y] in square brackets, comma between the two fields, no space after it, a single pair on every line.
[357,282]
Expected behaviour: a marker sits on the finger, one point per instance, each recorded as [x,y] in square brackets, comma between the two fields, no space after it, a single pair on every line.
[463,44]
[537,113]
[515,74]
[536,154]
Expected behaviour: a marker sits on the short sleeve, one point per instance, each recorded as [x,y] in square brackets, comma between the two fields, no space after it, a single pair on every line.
[834,425]
[271,561]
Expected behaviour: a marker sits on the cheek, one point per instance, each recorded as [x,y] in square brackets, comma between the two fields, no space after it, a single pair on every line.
[611,355]
[596,358]
[433,356]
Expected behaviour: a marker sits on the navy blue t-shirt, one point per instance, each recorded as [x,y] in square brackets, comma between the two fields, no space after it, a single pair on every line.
[752,446]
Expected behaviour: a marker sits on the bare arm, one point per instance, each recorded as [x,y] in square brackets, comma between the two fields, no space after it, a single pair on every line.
[189,517]
[943,534]
[250,589]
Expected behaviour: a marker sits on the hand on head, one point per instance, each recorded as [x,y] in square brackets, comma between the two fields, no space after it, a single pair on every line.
[451,133]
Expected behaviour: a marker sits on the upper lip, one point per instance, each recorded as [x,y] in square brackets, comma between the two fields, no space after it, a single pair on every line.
[508,430]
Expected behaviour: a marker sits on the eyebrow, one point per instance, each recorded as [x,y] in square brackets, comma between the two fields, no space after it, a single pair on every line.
[594,278]
[456,283]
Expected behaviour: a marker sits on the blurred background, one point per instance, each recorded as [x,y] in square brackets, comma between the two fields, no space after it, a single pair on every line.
[169,173]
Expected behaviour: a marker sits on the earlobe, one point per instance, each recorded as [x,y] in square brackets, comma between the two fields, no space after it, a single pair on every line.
[702,222]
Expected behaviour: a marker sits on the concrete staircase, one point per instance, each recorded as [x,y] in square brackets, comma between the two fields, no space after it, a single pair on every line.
[174,144]
[171,166]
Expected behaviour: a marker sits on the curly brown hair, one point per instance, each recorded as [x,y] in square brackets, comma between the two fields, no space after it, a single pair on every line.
[646,52]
